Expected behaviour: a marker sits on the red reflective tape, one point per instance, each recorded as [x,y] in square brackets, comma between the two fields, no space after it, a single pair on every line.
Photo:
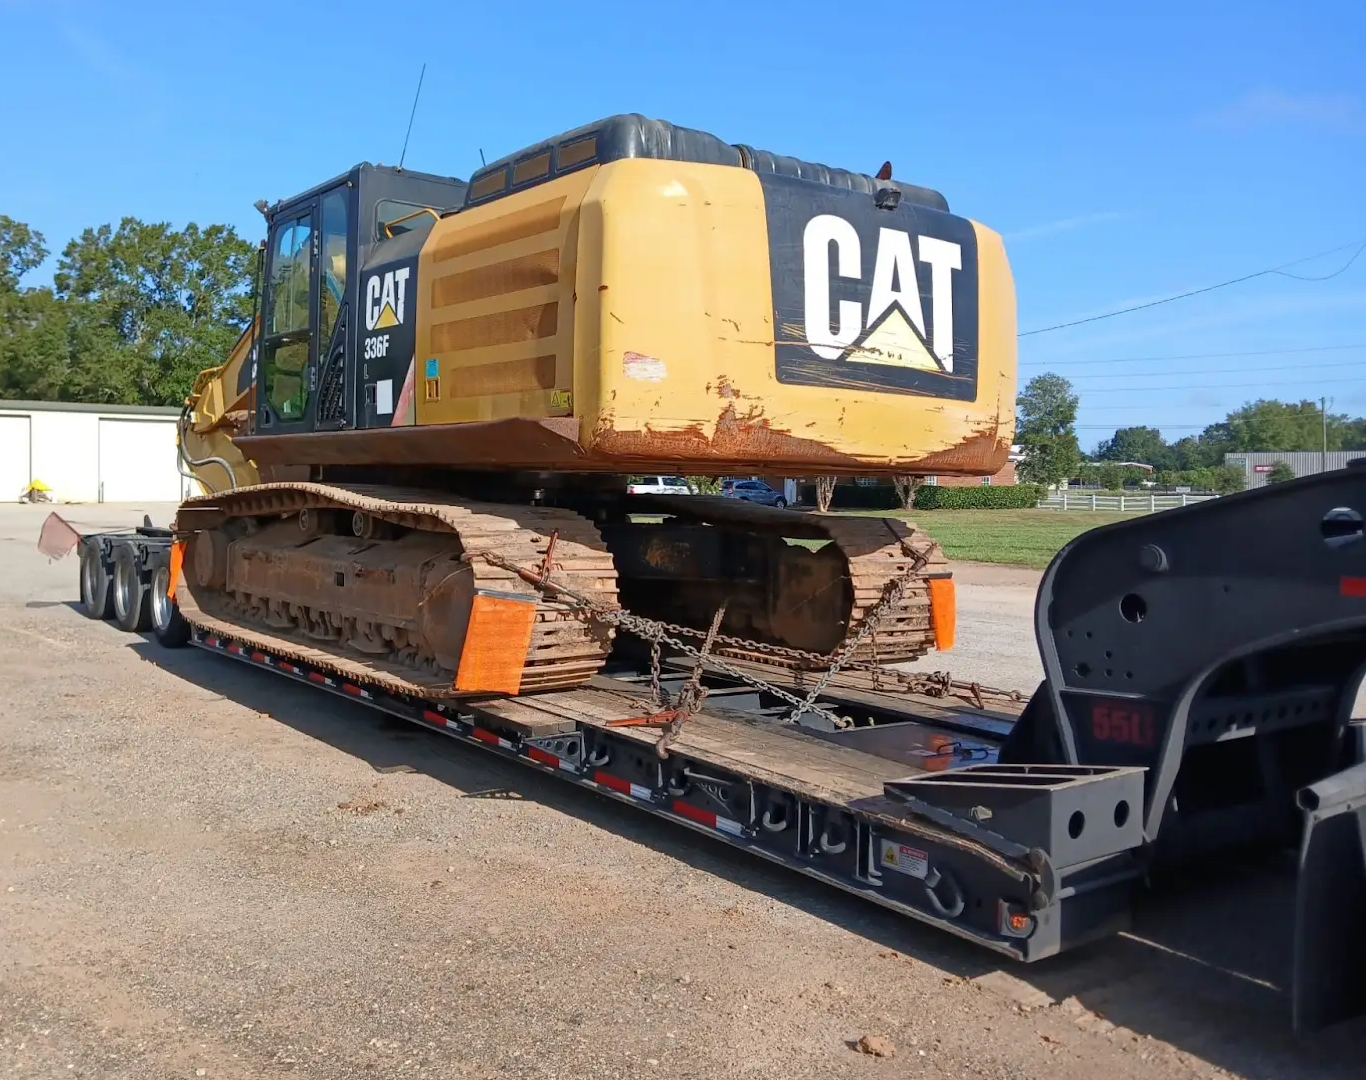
[1353,586]
[543,756]
[235,648]
[434,717]
[313,676]
[288,667]
[259,657]
[211,640]
[354,690]
[616,783]
[692,813]
[485,736]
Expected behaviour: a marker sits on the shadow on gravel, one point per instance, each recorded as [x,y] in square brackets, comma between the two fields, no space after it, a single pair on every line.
[1200,970]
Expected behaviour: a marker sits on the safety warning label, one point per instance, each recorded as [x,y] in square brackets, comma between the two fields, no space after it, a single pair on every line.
[904,859]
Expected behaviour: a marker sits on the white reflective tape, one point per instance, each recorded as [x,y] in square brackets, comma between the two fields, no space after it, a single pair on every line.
[641,792]
[728,826]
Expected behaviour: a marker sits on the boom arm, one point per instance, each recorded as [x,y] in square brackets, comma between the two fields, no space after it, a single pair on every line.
[215,413]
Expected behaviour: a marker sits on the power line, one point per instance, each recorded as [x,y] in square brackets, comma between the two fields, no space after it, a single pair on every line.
[1162,405]
[1207,371]
[1192,356]
[1360,246]
[1204,386]
[1162,427]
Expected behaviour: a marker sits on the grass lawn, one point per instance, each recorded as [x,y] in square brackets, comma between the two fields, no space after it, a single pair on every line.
[1017,537]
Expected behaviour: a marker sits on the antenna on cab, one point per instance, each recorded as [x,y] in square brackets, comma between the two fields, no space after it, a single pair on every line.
[417,95]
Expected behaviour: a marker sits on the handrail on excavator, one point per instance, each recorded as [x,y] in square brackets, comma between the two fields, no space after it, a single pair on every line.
[387,226]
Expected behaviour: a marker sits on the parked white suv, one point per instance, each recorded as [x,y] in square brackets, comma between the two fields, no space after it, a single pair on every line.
[659,485]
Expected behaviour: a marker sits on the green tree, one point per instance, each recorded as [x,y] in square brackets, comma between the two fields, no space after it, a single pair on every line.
[150,307]
[1046,430]
[1186,453]
[1220,479]
[1280,473]
[32,321]
[33,345]
[137,311]
[1111,476]
[1143,444]
[21,249]
[1275,425]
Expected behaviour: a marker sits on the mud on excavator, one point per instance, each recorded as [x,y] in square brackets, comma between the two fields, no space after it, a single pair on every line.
[414,467]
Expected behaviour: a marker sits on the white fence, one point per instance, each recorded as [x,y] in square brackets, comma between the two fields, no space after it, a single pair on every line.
[1137,503]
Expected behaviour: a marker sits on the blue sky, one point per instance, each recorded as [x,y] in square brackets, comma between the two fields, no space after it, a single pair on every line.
[1125,156]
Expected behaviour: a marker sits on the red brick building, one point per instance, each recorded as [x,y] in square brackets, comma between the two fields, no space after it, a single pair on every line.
[1005,476]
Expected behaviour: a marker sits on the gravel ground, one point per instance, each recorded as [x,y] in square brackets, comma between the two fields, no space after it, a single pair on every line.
[206,871]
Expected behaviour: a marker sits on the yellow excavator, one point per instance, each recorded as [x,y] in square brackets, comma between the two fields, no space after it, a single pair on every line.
[414,467]
[440,366]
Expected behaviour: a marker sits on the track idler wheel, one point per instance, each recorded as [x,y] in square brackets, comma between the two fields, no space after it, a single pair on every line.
[211,559]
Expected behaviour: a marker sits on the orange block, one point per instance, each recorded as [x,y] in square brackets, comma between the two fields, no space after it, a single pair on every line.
[177,561]
[496,644]
[943,611]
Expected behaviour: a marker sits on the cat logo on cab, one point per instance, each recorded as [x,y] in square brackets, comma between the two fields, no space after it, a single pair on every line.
[386,298]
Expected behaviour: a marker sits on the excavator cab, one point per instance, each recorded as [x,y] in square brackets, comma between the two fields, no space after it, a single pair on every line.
[311,308]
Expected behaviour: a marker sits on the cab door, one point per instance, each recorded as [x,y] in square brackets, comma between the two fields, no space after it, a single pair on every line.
[288,317]
[306,317]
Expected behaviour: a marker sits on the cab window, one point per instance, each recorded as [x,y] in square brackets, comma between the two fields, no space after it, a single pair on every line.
[288,334]
[333,269]
[394,218]
[290,271]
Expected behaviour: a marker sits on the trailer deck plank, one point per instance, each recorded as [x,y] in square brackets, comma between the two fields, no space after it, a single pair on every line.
[760,748]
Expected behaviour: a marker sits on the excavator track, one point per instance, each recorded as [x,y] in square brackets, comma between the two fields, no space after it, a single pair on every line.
[376,582]
[816,598]
[878,551]
[379,583]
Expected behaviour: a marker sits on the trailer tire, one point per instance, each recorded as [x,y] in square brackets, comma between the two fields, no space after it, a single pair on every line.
[97,594]
[170,627]
[132,599]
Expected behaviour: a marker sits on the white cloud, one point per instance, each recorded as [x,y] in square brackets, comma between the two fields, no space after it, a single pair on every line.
[100,55]
[1062,225]
[1343,113]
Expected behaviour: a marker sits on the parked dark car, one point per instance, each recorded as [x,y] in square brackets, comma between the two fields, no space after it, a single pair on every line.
[755,491]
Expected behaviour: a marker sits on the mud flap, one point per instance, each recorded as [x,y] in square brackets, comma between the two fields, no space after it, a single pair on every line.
[1329,981]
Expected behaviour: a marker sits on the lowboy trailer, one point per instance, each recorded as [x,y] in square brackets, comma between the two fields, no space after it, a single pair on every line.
[1200,671]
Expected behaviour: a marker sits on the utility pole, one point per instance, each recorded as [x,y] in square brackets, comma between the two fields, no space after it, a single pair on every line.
[1323,454]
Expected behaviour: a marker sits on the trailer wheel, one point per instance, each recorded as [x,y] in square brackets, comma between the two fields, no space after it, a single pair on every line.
[132,607]
[170,627]
[97,600]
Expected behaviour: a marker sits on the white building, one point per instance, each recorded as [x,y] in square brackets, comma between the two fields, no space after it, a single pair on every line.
[1258,464]
[90,453]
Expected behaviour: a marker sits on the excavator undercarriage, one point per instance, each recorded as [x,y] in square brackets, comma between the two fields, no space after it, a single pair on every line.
[383,582]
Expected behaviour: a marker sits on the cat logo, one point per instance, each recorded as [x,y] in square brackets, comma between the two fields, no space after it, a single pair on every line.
[892,332]
[385,297]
